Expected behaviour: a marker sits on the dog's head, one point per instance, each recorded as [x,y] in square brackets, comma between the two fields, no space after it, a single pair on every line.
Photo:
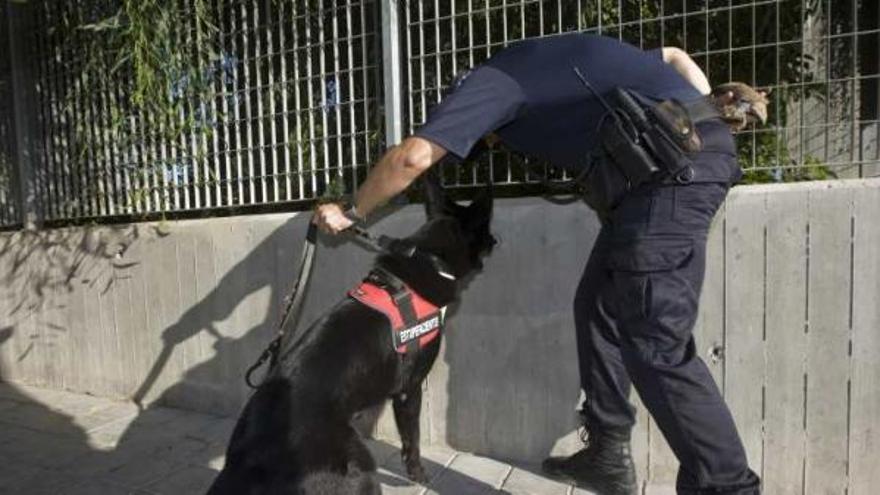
[457,234]
[448,247]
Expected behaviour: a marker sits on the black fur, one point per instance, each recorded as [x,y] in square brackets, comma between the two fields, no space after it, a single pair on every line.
[294,435]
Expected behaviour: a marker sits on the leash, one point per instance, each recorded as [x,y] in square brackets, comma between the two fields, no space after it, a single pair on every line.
[292,307]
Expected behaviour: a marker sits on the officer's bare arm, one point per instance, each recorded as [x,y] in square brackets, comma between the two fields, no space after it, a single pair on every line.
[396,170]
[685,65]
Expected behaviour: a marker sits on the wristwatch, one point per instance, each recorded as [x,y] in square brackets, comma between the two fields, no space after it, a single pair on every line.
[352,214]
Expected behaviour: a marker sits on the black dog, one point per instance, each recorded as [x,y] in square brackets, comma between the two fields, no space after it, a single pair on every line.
[294,435]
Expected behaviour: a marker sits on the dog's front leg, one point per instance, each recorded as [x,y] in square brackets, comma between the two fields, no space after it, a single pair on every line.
[407,407]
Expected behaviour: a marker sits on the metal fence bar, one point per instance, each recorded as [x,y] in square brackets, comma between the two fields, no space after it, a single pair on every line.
[24,135]
[285,109]
[273,111]
[247,124]
[48,186]
[368,130]
[351,96]
[311,102]
[8,216]
[333,95]
[391,71]
[261,146]
[323,107]
[300,166]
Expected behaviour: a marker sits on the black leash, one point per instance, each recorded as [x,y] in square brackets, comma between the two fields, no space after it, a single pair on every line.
[292,307]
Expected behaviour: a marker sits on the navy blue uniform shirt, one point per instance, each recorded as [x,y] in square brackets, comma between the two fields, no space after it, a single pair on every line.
[529,95]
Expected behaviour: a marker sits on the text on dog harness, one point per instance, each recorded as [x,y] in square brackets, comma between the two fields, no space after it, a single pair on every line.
[414,321]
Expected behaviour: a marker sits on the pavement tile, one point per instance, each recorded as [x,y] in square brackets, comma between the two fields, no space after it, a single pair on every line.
[142,471]
[7,403]
[433,460]
[44,450]
[12,473]
[97,487]
[13,433]
[524,481]
[35,416]
[469,474]
[581,491]
[189,480]
[99,418]
[660,490]
[38,481]
[395,484]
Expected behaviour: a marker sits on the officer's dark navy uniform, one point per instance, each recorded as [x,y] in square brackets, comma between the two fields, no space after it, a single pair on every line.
[636,303]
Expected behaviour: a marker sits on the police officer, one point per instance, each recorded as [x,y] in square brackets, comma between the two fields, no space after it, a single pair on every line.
[636,303]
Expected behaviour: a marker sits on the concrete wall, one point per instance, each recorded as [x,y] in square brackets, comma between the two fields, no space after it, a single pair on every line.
[789,324]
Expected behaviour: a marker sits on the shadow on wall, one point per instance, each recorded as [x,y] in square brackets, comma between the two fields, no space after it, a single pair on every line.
[39,271]
[505,397]
[226,319]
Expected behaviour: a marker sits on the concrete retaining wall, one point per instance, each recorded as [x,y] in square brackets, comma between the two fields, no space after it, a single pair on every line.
[789,324]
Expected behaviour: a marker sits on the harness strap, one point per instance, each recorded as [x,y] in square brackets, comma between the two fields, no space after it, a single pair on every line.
[404,303]
[403,299]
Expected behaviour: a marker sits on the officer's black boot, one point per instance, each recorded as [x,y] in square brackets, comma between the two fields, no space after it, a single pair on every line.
[604,466]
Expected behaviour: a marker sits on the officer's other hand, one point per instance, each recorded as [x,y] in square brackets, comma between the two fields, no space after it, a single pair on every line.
[331,219]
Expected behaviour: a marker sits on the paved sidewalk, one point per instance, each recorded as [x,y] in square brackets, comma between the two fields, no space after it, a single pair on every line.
[61,443]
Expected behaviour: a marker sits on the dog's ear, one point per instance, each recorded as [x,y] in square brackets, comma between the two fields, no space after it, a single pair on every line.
[435,197]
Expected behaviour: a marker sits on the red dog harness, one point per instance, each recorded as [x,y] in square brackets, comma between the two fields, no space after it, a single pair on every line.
[414,321]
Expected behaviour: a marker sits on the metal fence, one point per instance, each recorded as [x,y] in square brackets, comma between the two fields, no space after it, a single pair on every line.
[8,200]
[274,102]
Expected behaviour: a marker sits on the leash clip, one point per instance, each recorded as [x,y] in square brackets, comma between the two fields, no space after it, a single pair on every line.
[269,354]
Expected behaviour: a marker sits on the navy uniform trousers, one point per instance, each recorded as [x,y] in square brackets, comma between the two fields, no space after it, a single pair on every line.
[635,310]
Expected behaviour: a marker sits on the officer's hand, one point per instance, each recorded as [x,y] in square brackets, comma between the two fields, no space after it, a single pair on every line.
[331,219]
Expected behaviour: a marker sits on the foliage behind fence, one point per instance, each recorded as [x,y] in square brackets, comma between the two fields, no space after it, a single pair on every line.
[157,106]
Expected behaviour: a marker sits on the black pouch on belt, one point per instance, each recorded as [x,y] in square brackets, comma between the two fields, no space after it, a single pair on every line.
[665,131]
[619,136]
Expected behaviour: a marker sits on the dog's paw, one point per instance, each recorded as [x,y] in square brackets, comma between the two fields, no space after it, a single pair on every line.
[416,473]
